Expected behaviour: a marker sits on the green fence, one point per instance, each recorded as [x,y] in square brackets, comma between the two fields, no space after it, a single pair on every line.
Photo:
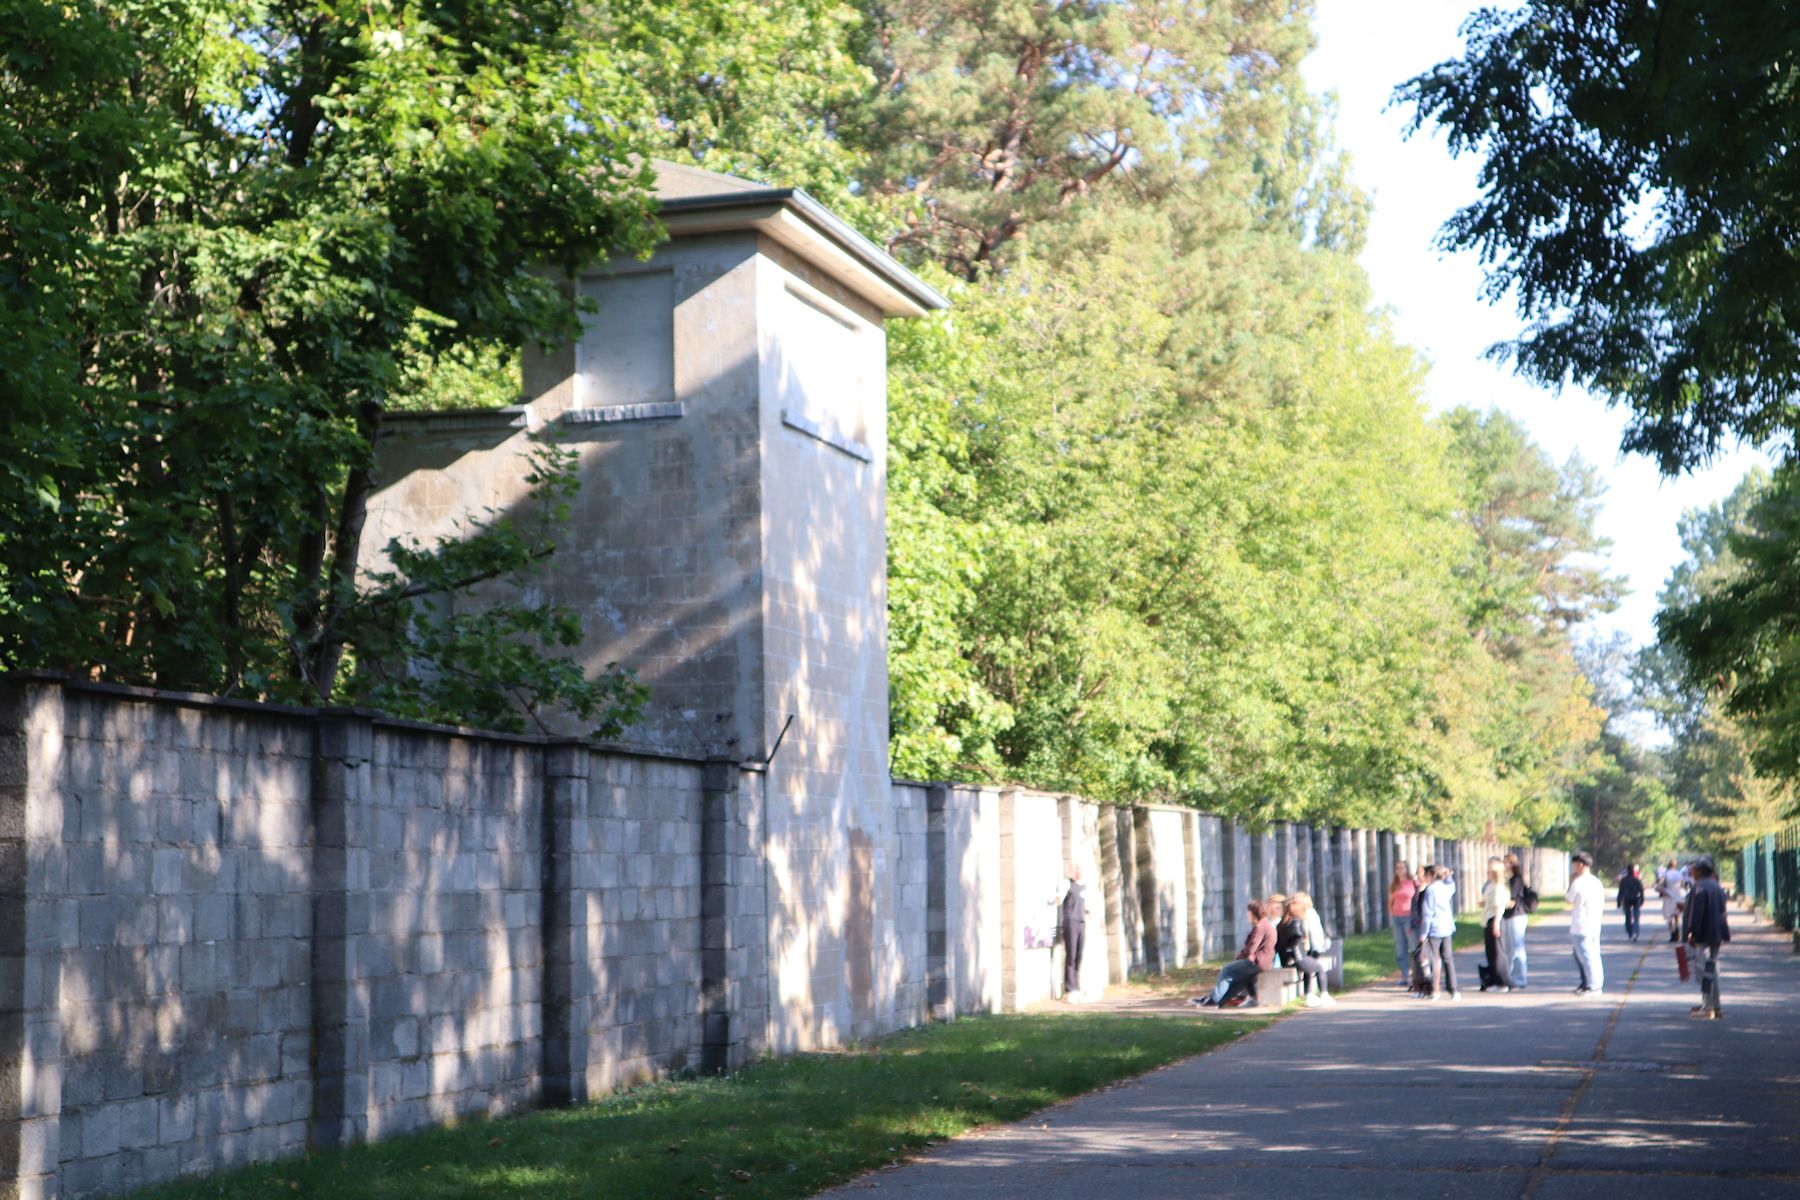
[1768,875]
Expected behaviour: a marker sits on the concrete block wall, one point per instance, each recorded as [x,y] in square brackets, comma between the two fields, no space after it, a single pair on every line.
[173,980]
[229,932]
[906,957]
[234,931]
[973,930]
[1162,897]
[451,955]
[631,946]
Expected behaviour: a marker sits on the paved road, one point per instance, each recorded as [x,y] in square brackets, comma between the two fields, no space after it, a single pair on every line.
[1539,1095]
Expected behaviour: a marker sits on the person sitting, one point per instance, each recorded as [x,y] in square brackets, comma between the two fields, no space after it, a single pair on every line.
[1298,943]
[1258,954]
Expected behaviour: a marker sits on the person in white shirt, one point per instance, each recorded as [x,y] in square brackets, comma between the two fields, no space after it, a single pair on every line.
[1587,903]
[1669,888]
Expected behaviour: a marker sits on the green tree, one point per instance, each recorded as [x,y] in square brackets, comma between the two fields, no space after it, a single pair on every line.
[1739,636]
[1624,810]
[1636,200]
[1711,754]
[1661,676]
[228,227]
[1534,574]
[742,87]
[995,118]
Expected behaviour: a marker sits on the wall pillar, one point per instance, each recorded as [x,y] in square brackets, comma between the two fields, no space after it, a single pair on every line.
[1359,881]
[1388,859]
[1143,839]
[568,963]
[340,994]
[940,951]
[31,833]
[1234,864]
[719,1033]
[1193,949]
[1009,904]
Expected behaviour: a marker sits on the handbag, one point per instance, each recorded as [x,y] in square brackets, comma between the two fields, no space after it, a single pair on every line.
[1681,962]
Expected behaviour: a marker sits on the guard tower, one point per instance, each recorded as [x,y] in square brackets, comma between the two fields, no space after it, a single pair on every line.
[727,403]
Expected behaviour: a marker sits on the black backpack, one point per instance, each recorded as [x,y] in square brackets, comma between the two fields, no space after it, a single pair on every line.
[1528,899]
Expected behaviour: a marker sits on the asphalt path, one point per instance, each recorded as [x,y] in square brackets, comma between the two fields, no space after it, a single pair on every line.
[1540,1095]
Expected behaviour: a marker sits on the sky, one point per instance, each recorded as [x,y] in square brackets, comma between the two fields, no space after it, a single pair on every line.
[1366,48]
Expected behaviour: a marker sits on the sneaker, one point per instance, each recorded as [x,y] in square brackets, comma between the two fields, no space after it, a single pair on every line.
[1432,997]
[1310,1002]
[1327,1000]
[1200,1001]
[1596,991]
[1456,995]
[1580,991]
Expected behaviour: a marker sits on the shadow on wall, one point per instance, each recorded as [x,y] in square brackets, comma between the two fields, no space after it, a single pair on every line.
[660,555]
[246,965]
[846,864]
[182,940]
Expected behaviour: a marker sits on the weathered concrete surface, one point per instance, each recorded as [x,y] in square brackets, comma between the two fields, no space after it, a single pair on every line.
[1531,1095]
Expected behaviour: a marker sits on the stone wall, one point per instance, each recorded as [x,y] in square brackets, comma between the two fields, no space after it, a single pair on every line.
[236,931]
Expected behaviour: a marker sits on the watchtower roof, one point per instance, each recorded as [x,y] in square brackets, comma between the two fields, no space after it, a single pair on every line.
[696,201]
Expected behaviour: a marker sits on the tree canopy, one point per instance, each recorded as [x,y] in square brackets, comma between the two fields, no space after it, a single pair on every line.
[1168,517]
[229,228]
[1637,186]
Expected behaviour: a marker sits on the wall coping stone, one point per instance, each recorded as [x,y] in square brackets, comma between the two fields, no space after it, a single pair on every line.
[264,708]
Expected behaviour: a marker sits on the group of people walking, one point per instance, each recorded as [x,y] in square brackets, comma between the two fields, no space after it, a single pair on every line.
[1672,885]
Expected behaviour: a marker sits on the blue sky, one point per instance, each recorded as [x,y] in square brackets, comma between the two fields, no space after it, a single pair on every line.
[1366,47]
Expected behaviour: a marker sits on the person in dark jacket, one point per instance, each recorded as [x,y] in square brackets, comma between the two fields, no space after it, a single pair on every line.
[1258,954]
[1074,929]
[1421,980]
[1703,926]
[1292,950]
[1631,899]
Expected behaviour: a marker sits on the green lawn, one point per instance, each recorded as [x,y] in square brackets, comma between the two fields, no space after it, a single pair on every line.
[783,1128]
[792,1127]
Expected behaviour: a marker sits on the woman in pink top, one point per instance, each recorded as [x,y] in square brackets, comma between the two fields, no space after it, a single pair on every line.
[1400,898]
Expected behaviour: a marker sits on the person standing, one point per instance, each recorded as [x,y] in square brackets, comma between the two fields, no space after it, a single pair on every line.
[1438,916]
[1074,931]
[1400,897]
[1495,898]
[1586,900]
[1668,886]
[1631,899]
[1518,919]
[1703,927]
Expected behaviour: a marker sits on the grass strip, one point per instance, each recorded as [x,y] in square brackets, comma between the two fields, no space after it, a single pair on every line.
[782,1128]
